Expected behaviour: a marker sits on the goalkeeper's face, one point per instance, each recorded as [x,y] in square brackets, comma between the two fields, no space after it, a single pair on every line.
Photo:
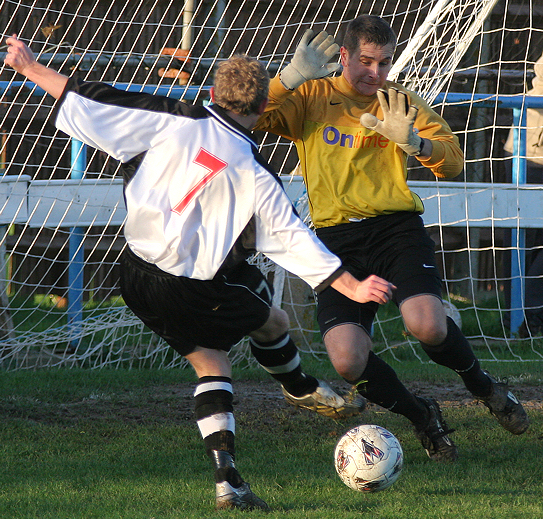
[366,69]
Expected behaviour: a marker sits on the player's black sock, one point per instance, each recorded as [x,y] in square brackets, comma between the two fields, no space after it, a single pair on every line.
[214,416]
[455,353]
[225,468]
[380,384]
[281,360]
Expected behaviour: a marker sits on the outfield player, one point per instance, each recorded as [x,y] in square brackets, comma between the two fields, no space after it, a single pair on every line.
[201,200]
[354,134]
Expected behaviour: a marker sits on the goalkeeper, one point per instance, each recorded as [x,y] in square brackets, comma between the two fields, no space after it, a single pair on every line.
[354,134]
[201,200]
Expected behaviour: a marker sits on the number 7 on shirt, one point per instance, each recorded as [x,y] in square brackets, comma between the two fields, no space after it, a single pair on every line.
[214,166]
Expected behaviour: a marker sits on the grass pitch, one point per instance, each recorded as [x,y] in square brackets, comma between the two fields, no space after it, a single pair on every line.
[115,444]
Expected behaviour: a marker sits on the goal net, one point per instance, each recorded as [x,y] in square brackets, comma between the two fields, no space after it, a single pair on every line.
[62,210]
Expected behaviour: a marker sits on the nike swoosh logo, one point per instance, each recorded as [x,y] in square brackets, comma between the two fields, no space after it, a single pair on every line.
[427,266]
[333,104]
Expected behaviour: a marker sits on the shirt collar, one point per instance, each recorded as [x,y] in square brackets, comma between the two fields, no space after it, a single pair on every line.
[221,114]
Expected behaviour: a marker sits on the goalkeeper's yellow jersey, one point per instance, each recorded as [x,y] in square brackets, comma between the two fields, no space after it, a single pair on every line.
[351,172]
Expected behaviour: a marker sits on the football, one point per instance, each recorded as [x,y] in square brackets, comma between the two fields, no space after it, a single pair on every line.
[368,458]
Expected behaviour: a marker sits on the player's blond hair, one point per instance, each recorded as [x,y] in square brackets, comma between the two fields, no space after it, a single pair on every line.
[241,84]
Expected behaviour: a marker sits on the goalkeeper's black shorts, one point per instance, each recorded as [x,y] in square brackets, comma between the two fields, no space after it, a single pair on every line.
[395,247]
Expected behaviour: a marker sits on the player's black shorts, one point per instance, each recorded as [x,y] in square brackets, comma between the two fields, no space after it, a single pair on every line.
[395,247]
[187,313]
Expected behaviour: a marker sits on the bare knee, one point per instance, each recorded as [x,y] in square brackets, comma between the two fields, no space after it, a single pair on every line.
[429,332]
[425,319]
[348,348]
[350,368]
[277,324]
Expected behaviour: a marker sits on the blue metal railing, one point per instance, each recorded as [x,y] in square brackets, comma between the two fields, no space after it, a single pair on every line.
[76,247]
[188,93]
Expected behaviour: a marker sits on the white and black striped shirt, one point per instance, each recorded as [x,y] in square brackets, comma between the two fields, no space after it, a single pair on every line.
[199,196]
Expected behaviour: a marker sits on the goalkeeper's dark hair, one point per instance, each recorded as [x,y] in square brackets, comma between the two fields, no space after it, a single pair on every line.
[368,29]
[241,84]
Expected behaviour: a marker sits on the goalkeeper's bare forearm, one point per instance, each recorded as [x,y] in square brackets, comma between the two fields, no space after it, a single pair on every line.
[373,288]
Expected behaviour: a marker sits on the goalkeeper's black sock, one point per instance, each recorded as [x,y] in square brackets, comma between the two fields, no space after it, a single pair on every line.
[455,353]
[380,384]
[281,360]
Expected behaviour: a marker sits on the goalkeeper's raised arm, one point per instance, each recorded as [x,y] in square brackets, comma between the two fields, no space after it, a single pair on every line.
[397,123]
[311,59]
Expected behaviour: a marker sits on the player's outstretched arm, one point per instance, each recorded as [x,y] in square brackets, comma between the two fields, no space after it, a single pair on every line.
[373,288]
[397,123]
[20,58]
[310,60]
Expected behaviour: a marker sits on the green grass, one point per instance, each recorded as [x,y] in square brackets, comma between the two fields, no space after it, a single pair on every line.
[123,444]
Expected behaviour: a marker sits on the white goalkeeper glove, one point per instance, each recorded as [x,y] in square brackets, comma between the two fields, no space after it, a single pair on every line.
[398,120]
[310,60]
